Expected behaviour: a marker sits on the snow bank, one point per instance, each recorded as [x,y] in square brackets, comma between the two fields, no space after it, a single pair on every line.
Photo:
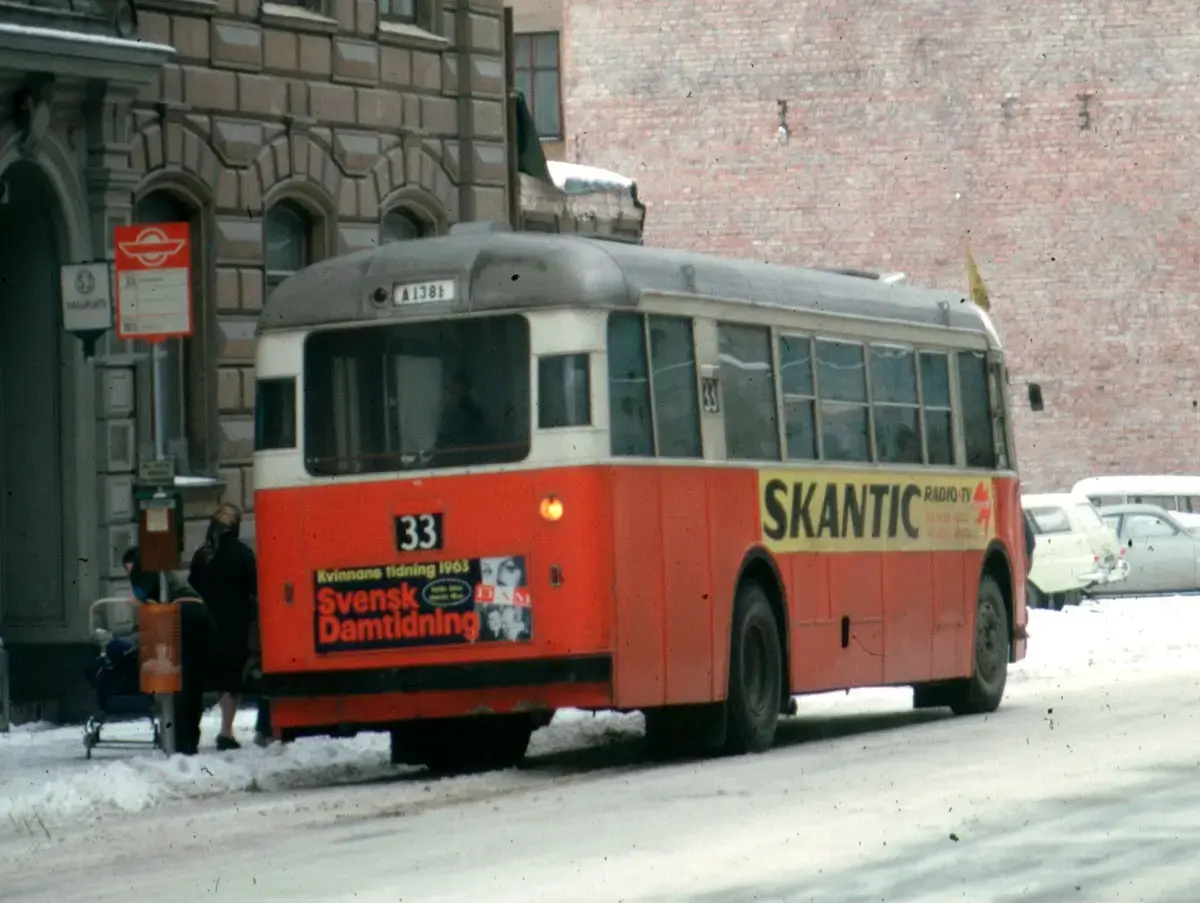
[45,780]
[1112,638]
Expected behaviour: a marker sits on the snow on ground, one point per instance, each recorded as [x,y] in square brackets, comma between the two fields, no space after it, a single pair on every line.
[46,781]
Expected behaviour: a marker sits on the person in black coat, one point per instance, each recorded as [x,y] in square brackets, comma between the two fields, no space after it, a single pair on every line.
[196,635]
[225,574]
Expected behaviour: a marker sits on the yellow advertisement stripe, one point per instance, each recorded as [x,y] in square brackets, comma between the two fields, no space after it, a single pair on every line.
[874,511]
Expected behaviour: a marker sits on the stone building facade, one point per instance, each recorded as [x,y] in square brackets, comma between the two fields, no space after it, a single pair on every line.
[1053,141]
[284,133]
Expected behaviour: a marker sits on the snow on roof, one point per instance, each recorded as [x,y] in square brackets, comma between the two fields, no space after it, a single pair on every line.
[575,178]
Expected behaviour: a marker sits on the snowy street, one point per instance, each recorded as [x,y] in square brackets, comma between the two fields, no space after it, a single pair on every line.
[1081,787]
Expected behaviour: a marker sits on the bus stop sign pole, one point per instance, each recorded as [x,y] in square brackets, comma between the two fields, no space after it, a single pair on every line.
[153,275]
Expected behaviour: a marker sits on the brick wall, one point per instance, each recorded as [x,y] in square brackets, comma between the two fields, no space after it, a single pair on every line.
[1055,141]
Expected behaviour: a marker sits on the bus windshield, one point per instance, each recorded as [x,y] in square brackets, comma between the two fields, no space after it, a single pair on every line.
[452,393]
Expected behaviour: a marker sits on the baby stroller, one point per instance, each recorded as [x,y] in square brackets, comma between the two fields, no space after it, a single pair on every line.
[115,675]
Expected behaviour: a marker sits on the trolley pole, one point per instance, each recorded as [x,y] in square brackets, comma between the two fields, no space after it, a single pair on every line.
[158,353]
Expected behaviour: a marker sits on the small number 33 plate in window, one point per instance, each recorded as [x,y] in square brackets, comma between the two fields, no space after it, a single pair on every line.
[419,532]
[423,292]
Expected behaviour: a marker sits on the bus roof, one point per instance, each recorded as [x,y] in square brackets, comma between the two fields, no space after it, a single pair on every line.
[505,270]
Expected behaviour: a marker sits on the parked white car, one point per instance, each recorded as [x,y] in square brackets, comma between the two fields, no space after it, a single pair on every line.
[1177,493]
[1076,551]
[1162,549]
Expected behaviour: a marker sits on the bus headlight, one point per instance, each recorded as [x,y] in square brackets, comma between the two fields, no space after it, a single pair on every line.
[551,509]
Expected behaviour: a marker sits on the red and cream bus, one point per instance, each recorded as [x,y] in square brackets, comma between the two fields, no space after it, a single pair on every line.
[503,473]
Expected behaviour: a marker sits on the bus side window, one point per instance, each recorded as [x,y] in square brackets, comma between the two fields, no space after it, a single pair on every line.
[564,391]
[937,413]
[275,414]
[894,404]
[748,393]
[630,424]
[799,397]
[842,388]
[676,399]
[976,409]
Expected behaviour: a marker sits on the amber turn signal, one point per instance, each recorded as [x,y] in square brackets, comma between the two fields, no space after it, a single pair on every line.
[551,509]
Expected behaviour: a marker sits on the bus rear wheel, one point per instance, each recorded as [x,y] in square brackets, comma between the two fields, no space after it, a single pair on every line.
[755,673]
[746,721]
[463,745]
[982,691]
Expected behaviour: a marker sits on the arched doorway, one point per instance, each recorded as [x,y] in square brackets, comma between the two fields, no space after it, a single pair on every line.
[31,387]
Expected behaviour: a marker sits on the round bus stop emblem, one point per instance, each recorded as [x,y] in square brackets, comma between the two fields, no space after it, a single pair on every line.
[152,248]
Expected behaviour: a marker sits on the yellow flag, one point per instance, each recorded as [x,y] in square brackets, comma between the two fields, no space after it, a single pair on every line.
[979,292]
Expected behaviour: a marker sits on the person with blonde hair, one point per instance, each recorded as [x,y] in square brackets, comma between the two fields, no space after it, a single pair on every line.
[225,574]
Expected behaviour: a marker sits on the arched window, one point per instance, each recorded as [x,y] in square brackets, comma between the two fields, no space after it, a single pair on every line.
[289,241]
[401,225]
[165,206]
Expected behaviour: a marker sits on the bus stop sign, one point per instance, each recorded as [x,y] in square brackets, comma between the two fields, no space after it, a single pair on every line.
[154,281]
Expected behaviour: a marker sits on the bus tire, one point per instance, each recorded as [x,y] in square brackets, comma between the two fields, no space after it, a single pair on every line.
[756,675]
[982,691]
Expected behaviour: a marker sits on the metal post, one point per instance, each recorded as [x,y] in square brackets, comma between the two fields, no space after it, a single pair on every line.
[166,701]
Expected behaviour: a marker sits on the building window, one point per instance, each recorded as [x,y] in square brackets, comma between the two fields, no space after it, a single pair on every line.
[401,225]
[165,206]
[398,11]
[537,68]
[289,241]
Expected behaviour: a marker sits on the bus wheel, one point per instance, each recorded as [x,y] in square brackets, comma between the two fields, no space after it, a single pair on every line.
[982,691]
[755,673]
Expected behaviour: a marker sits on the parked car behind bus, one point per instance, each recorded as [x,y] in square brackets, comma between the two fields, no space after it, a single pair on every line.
[1163,551]
[1178,493]
[1075,552]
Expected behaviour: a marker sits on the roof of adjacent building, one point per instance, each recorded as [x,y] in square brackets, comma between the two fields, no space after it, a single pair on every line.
[496,269]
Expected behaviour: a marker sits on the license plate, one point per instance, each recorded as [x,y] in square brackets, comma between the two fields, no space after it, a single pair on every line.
[423,292]
[419,532]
